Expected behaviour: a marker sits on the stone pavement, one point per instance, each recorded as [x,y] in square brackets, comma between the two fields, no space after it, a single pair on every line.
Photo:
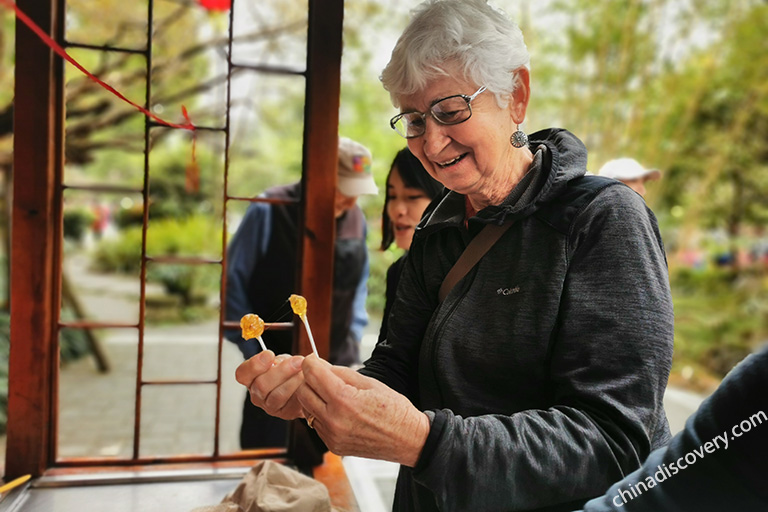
[97,410]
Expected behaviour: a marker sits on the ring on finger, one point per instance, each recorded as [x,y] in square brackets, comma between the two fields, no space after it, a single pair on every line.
[310,421]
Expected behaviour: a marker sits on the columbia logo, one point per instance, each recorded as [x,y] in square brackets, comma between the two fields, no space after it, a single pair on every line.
[507,291]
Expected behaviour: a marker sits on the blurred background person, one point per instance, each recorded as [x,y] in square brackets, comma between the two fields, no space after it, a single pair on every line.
[261,275]
[410,189]
[630,172]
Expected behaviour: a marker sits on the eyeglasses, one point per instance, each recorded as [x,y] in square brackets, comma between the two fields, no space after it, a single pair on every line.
[451,110]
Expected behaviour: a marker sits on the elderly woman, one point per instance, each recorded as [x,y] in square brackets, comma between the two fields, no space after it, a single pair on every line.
[538,379]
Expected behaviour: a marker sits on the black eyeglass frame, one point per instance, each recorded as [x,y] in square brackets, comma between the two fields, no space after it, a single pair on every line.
[468,99]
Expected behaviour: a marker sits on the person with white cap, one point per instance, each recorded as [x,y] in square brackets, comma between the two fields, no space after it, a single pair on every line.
[630,172]
[261,275]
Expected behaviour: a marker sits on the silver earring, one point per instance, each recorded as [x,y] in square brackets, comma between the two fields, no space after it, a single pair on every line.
[518,139]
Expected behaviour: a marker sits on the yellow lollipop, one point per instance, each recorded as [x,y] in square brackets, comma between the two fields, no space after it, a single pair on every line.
[299,306]
[253,327]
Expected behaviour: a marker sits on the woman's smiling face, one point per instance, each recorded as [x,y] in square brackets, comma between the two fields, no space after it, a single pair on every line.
[473,157]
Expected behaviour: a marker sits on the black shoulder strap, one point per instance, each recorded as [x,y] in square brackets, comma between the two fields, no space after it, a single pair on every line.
[476,249]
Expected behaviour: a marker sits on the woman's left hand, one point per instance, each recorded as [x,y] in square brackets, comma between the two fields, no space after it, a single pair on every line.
[358,415]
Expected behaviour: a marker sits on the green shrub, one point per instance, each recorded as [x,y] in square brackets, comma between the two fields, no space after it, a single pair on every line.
[194,236]
[127,217]
[120,255]
[721,315]
[76,223]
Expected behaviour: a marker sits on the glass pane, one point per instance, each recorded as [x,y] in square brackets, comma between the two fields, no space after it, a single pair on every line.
[185,216]
[182,293]
[266,134]
[5,227]
[180,350]
[84,23]
[232,397]
[101,257]
[97,403]
[278,308]
[235,212]
[271,32]
[104,139]
[189,63]
[177,419]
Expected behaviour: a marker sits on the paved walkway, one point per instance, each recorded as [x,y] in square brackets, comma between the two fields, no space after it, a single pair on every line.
[97,410]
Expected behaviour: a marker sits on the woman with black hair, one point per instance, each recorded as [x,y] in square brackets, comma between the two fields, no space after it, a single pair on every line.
[410,189]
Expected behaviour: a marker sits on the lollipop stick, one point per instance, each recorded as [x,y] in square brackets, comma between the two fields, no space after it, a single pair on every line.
[309,333]
[261,342]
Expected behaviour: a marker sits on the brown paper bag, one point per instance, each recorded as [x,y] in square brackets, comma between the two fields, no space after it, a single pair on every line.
[273,487]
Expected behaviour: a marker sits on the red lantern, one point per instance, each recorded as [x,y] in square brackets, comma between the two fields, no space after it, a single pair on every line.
[216,5]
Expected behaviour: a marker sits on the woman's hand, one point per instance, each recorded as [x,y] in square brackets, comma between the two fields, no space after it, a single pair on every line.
[357,415]
[272,383]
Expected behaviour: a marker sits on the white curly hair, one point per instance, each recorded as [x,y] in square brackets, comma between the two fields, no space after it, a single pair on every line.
[465,36]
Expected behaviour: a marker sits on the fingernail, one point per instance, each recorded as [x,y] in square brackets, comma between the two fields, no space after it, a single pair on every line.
[296,362]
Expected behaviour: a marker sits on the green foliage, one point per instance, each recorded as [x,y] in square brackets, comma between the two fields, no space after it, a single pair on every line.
[682,88]
[133,216]
[7,68]
[170,196]
[121,255]
[195,235]
[679,87]
[192,284]
[721,316]
[7,34]
[725,153]
[76,223]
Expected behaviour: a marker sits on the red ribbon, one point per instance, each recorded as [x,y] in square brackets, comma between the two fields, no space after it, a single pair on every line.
[63,53]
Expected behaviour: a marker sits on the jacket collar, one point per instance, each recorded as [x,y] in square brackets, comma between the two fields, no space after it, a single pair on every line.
[559,157]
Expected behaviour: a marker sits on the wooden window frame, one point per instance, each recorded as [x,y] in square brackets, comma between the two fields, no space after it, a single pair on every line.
[36,256]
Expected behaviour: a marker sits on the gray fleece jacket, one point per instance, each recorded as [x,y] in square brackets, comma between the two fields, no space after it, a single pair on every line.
[544,369]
